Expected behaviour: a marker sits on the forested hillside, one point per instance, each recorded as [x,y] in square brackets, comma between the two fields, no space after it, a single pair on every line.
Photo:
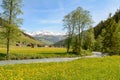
[98,28]
[107,34]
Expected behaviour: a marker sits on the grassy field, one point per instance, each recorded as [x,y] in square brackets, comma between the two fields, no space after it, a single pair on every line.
[107,68]
[34,53]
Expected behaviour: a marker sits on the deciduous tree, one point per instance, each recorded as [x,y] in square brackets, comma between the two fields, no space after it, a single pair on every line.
[11,10]
[76,22]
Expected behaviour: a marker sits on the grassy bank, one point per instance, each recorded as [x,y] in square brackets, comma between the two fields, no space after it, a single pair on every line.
[34,53]
[107,68]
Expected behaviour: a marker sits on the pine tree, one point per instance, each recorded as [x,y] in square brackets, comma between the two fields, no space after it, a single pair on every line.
[111,41]
[115,48]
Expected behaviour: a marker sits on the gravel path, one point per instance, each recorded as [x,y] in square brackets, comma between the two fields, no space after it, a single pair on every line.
[9,62]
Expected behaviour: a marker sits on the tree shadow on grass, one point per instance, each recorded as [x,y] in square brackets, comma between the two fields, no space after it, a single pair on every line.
[57,54]
[2,56]
[46,53]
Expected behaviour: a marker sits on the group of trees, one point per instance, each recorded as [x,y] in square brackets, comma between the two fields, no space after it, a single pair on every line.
[109,37]
[9,21]
[76,23]
[105,37]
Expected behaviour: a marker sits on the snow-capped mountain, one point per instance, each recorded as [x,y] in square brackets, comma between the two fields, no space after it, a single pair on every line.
[45,33]
[47,36]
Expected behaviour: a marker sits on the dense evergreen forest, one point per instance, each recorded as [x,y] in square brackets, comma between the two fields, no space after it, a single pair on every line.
[107,34]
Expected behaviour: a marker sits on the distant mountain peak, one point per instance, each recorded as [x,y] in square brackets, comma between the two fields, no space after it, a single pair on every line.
[45,33]
[47,36]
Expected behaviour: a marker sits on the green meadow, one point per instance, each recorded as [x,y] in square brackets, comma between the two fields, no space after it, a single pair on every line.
[105,68]
[34,53]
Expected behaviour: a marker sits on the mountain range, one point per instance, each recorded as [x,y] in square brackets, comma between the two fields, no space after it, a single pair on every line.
[47,37]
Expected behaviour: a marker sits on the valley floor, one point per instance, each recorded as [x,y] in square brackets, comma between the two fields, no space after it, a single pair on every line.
[20,53]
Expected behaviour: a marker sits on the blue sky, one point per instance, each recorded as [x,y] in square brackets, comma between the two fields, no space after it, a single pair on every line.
[47,15]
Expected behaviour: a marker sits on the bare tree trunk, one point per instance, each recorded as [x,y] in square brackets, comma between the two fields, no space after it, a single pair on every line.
[10,16]
[68,45]
[79,41]
[8,48]
[9,30]
[69,42]
[75,47]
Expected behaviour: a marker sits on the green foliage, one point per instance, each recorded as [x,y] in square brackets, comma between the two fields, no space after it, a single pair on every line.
[89,40]
[107,35]
[106,68]
[98,29]
[86,52]
[116,17]
[14,31]
[9,33]
[75,23]
[115,49]
[98,44]
[111,41]
[12,8]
